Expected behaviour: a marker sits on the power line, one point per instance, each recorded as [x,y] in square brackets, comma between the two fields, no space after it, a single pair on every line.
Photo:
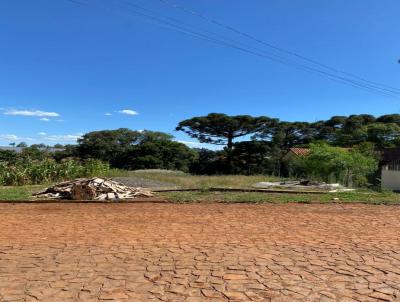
[76,2]
[263,54]
[177,26]
[204,30]
[280,49]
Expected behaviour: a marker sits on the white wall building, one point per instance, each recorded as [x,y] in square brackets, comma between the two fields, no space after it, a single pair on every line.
[390,179]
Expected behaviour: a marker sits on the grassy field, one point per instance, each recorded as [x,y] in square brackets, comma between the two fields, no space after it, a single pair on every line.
[256,197]
[205,181]
[231,181]
[18,193]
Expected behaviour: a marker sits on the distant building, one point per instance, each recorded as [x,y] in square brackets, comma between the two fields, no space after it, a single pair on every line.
[286,167]
[389,163]
[20,149]
[296,152]
[15,149]
[390,169]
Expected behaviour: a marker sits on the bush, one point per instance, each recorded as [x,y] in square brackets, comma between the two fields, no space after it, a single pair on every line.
[334,164]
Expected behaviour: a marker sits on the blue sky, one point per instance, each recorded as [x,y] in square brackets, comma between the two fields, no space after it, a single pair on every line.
[63,66]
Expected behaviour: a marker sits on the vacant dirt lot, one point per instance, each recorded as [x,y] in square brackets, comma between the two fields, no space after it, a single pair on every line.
[199,252]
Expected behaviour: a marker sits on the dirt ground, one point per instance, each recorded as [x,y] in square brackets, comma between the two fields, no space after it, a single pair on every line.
[199,252]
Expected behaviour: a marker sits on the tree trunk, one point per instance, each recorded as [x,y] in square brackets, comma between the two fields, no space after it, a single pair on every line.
[229,155]
[230,143]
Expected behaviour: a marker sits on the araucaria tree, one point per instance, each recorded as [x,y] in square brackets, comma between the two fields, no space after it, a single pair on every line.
[222,129]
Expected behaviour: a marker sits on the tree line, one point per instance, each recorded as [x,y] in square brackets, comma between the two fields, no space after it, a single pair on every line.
[345,131]
[257,144]
[251,145]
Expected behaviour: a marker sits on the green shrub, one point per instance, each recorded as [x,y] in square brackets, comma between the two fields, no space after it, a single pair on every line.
[334,164]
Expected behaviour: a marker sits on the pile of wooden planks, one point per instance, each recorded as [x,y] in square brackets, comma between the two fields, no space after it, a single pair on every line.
[92,189]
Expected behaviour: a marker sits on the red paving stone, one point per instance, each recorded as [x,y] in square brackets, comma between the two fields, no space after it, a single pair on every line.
[199,252]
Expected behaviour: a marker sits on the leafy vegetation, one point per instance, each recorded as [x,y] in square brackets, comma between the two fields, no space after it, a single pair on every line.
[335,164]
[131,150]
[221,129]
[25,171]
[252,146]
[271,139]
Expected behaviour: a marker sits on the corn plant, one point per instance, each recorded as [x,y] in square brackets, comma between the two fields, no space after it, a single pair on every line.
[32,172]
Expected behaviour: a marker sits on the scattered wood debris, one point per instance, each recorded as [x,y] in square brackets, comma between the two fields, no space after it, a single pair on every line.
[303,185]
[92,189]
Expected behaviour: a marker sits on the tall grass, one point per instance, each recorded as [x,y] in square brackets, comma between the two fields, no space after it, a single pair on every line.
[34,172]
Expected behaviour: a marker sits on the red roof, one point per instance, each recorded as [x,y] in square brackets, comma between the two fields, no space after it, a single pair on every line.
[307,151]
[300,151]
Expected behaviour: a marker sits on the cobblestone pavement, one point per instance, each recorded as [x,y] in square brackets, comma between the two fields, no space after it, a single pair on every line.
[199,252]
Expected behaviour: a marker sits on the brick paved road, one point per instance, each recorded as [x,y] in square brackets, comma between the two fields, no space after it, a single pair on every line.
[199,252]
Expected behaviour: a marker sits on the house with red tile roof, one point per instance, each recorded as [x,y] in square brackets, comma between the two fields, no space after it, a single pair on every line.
[299,152]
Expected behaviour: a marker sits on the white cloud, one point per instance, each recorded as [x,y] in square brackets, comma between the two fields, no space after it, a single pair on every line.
[13,138]
[63,137]
[107,114]
[128,112]
[42,133]
[9,137]
[38,113]
[191,144]
[44,119]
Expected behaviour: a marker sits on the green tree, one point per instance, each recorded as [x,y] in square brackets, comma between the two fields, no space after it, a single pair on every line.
[254,157]
[69,152]
[159,154]
[354,122]
[107,145]
[327,163]
[222,129]
[383,135]
[209,162]
[129,149]
[39,146]
[8,156]
[290,134]
[389,119]
[152,136]
[33,153]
